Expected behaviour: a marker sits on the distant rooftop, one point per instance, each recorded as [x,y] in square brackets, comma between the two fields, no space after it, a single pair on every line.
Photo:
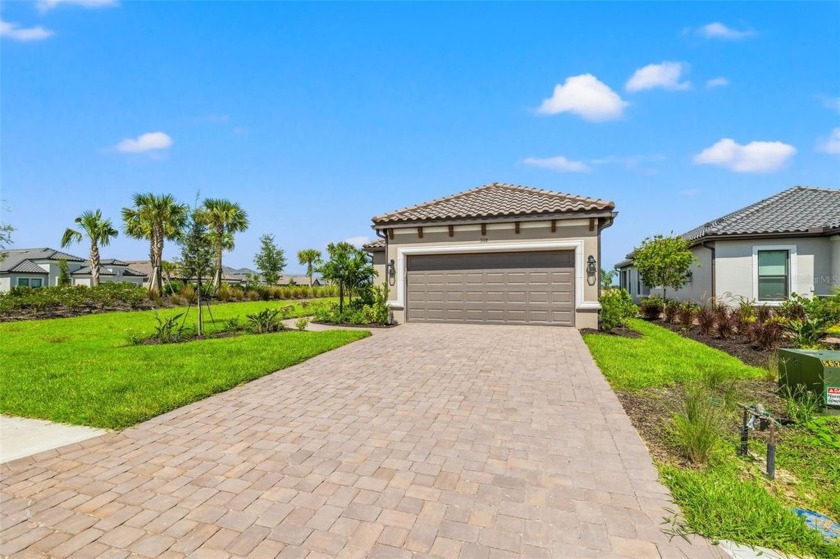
[20,260]
[800,209]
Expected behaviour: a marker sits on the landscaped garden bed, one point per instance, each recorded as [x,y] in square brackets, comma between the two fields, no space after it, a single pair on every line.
[682,396]
[89,370]
[23,303]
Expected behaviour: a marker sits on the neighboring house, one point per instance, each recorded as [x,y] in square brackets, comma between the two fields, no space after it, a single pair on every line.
[110,269]
[498,253]
[34,267]
[788,243]
[299,281]
[39,267]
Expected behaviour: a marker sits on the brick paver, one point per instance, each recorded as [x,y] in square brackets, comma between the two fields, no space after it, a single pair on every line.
[424,440]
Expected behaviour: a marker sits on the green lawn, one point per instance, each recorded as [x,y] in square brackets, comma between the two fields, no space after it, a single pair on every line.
[729,498]
[660,357]
[84,371]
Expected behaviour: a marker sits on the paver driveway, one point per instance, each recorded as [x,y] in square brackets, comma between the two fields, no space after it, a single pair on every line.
[441,440]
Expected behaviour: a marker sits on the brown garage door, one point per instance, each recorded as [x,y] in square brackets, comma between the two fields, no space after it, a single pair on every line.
[499,288]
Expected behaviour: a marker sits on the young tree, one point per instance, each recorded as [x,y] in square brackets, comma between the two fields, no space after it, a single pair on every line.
[63,279]
[349,267]
[310,258]
[5,239]
[197,255]
[270,260]
[98,230]
[224,219]
[664,261]
[155,218]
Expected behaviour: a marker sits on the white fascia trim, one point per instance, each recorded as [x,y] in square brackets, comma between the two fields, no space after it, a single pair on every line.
[525,246]
[792,272]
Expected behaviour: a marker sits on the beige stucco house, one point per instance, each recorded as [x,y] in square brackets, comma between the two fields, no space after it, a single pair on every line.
[788,243]
[499,253]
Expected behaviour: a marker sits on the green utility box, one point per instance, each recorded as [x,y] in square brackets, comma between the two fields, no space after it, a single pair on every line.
[817,370]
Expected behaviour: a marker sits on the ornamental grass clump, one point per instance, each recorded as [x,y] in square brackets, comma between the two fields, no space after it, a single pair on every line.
[706,320]
[697,426]
[670,311]
[685,315]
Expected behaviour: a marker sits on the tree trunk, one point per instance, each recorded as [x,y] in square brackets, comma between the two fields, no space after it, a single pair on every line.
[217,279]
[94,263]
[340,296]
[200,316]
[156,281]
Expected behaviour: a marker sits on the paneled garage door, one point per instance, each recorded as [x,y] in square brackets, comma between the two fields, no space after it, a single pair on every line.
[496,288]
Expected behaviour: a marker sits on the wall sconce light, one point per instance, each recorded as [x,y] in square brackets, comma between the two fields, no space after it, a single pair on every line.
[392,269]
[590,266]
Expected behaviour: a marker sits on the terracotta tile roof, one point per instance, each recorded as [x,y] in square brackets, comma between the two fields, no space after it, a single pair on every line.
[799,209]
[496,200]
[374,246]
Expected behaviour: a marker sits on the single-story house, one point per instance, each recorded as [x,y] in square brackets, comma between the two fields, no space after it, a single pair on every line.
[496,254]
[788,243]
[39,267]
[110,269]
[299,281]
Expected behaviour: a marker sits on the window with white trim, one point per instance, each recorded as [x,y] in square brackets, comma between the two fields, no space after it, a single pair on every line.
[773,275]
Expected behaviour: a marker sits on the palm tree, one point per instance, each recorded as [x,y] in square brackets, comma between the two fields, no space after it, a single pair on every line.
[309,257]
[100,232]
[224,219]
[155,218]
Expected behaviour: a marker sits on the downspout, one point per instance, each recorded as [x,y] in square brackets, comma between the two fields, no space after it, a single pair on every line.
[711,248]
[384,237]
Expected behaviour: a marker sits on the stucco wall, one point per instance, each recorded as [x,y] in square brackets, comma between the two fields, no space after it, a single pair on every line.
[5,284]
[503,237]
[379,265]
[699,288]
[834,242]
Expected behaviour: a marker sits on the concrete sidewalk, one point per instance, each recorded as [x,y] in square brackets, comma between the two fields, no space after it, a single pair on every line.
[21,437]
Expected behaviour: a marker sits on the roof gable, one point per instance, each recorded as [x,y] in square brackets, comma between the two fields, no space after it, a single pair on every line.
[496,200]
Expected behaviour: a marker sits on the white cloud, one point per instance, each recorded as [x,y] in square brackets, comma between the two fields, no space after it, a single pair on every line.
[145,142]
[832,144]
[832,103]
[717,82]
[558,163]
[585,96]
[357,241]
[46,5]
[718,30]
[666,75]
[17,33]
[754,157]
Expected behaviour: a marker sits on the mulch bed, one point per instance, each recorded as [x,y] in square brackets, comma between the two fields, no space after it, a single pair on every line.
[737,346]
[620,331]
[30,314]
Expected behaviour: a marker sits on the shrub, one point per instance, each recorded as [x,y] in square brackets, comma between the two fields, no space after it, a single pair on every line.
[670,310]
[302,323]
[763,313]
[725,322]
[767,334]
[705,320]
[265,321]
[652,307]
[225,293]
[697,426]
[616,308]
[167,330]
[189,294]
[685,315]
[808,333]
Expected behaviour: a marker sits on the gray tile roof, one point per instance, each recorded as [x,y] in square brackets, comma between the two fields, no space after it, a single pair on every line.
[15,258]
[496,200]
[113,262]
[797,210]
[87,269]
[27,267]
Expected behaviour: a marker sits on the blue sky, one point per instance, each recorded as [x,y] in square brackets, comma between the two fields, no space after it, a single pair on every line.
[315,117]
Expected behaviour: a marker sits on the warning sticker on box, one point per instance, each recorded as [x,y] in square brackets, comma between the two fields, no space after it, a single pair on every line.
[832,395]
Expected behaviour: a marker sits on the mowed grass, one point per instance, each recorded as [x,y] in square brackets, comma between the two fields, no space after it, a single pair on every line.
[660,357]
[729,498]
[84,371]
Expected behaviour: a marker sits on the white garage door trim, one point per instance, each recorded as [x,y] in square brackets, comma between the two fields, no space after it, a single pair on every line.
[577,246]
